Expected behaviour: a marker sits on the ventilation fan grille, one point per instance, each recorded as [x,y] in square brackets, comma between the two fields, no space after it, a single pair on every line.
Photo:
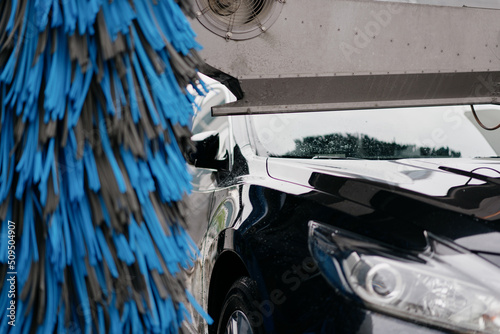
[238,19]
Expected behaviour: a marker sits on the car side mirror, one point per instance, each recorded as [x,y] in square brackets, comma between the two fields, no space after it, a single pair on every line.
[207,147]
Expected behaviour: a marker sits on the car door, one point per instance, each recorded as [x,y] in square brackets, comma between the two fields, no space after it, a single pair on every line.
[211,205]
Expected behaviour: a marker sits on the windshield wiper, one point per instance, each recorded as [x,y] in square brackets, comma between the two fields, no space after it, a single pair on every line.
[334,157]
[473,175]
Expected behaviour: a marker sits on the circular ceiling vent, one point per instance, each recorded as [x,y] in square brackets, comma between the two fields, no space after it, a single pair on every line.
[238,19]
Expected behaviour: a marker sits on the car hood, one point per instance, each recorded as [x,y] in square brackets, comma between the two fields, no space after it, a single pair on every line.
[468,187]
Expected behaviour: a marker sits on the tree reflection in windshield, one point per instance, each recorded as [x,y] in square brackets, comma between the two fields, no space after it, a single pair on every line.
[341,146]
[397,133]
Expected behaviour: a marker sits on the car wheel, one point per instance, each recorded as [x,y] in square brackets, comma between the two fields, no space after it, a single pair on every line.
[239,314]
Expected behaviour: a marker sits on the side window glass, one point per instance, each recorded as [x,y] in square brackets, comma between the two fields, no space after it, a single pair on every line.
[203,120]
[224,143]
[204,179]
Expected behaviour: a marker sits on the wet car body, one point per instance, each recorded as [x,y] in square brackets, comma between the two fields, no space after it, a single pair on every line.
[253,218]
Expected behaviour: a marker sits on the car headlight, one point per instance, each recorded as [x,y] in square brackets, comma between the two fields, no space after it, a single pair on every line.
[445,285]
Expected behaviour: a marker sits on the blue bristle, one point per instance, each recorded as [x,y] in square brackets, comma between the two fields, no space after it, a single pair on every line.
[64,219]
[28,249]
[86,15]
[78,279]
[10,23]
[106,89]
[118,16]
[31,88]
[146,176]
[123,249]
[57,15]
[7,162]
[106,252]
[58,81]
[144,239]
[99,271]
[4,243]
[52,299]
[23,68]
[25,167]
[60,319]
[160,239]
[76,242]
[152,315]
[198,308]
[158,169]
[120,99]
[57,252]
[105,213]
[142,83]
[134,107]
[100,317]
[132,167]
[164,321]
[78,93]
[175,27]
[91,169]
[115,322]
[73,170]
[147,322]
[124,317]
[179,100]
[146,21]
[163,120]
[87,231]
[70,16]
[2,106]
[135,322]
[106,145]
[183,313]
[186,246]
[45,169]
[137,245]
[42,8]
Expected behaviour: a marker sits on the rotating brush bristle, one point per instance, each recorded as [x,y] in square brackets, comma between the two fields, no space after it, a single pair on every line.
[91,169]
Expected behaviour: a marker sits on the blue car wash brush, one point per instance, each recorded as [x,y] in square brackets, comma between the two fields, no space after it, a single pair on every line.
[94,124]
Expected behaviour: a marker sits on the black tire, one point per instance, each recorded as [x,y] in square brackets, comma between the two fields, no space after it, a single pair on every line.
[242,299]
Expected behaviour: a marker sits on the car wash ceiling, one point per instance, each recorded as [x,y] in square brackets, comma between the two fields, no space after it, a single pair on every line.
[309,55]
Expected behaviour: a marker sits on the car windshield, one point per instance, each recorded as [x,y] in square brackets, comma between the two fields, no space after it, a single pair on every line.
[422,132]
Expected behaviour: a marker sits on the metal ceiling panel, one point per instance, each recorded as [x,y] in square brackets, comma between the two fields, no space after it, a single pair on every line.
[340,54]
